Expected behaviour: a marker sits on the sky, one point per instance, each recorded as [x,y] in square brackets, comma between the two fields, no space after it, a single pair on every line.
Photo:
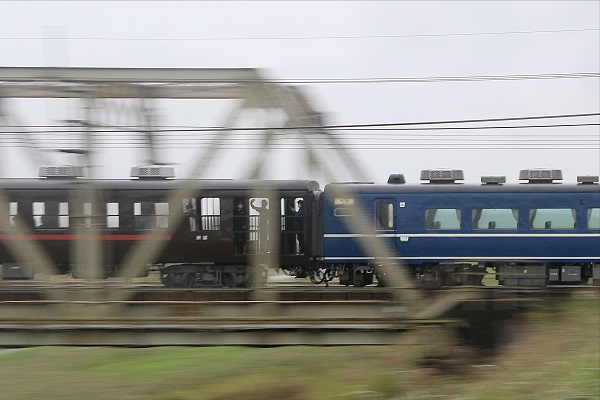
[359,63]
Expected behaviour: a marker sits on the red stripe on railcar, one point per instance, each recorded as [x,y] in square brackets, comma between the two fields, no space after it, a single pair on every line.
[68,236]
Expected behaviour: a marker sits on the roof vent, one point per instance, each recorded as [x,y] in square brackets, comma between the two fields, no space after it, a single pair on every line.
[540,175]
[442,175]
[493,180]
[587,179]
[60,171]
[397,179]
[152,172]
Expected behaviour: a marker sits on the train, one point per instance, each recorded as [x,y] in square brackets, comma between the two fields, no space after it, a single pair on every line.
[229,233]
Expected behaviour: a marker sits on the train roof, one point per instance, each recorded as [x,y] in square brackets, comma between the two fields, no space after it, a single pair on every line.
[364,187]
[156,184]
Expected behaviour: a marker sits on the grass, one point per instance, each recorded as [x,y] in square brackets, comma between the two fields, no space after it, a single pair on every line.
[556,355]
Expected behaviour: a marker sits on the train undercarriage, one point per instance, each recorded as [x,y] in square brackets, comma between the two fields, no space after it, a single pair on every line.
[212,275]
[437,275]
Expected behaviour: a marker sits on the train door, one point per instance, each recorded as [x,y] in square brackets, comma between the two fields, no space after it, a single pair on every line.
[384,216]
[241,224]
[201,229]
[385,227]
[269,224]
[293,230]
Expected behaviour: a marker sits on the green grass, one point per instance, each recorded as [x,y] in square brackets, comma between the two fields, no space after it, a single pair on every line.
[556,356]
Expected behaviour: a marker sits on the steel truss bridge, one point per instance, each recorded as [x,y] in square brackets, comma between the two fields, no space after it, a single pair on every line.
[101,314]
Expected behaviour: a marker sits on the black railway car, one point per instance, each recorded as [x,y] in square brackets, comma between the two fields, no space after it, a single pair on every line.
[214,236]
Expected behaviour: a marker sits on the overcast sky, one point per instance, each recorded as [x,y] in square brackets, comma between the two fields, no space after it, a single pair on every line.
[349,41]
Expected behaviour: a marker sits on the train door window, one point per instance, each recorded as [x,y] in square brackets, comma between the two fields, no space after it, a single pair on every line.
[552,218]
[442,218]
[210,213]
[240,224]
[495,218]
[292,225]
[190,214]
[258,223]
[149,215]
[593,218]
[51,215]
[385,215]
[112,215]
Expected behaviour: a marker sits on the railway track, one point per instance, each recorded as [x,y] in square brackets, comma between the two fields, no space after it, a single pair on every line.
[272,316]
[24,291]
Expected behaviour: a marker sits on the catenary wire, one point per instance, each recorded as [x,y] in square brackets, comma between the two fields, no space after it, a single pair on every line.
[110,129]
[330,37]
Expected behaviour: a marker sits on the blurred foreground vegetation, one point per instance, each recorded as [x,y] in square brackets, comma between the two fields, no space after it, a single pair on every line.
[554,354]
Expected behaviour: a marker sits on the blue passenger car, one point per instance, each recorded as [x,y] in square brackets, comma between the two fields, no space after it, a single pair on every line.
[531,234]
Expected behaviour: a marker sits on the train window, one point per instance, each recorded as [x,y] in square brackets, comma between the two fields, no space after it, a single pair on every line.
[87,214]
[112,215]
[162,215]
[94,216]
[149,215]
[552,218]
[292,224]
[240,224]
[385,215]
[344,212]
[495,218]
[442,218]
[50,214]
[8,214]
[258,222]
[13,211]
[593,218]
[210,213]
[190,215]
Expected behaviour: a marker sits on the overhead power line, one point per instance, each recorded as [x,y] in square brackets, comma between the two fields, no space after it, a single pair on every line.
[464,121]
[170,131]
[394,126]
[323,37]
[473,78]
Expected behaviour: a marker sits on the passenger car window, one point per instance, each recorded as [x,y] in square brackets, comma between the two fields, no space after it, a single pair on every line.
[442,218]
[50,214]
[593,218]
[112,215]
[552,218]
[149,215]
[210,213]
[190,215]
[495,218]
[13,211]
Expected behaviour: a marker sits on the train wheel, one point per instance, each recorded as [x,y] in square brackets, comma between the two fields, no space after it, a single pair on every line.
[228,280]
[165,279]
[329,275]
[179,280]
[359,279]
[190,280]
[317,276]
[250,280]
